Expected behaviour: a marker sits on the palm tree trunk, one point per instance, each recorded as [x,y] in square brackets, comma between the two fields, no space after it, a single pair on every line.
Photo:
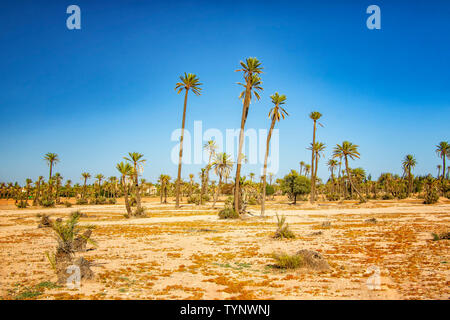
[177,204]
[137,188]
[241,142]
[313,183]
[316,158]
[127,203]
[352,187]
[263,199]
[218,190]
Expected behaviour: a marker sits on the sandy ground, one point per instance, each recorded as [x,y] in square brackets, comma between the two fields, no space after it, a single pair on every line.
[190,254]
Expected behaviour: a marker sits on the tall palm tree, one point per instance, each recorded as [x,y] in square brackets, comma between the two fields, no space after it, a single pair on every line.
[251,68]
[85,176]
[58,179]
[188,82]
[332,164]
[348,150]
[125,170]
[408,163]
[28,183]
[302,164]
[439,167]
[251,175]
[317,149]
[307,169]
[68,186]
[222,166]
[315,115]
[99,178]
[270,177]
[443,151]
[276,113]
[136,159]
[52,159]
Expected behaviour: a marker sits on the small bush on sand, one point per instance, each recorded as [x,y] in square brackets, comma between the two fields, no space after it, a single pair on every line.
[22,204]
[286,261]
[82,201]
[228,213]
[45,221]
[48,203]
[67,204]
[283,231]
[139,212]
[112,201]
[441,236]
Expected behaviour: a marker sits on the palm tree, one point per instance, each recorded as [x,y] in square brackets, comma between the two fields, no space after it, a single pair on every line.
[222,166]
[136,159]
[315,115]
[126,170]
[251,175]
[191,183]
[202,175]
[28,183]
[439,167]
[52,159]
[99,178]
[348,150]
[332,164]
[307,169]
[210,147]
[270,177]
[67,187]
[251,69]
[317,148]
[36,200]
[188,82]
[58,180]
[443,151]
[408,163]
[85,176]
[276,113]
[302,164]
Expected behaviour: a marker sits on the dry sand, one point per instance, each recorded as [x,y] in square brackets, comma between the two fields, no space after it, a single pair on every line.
[191,254]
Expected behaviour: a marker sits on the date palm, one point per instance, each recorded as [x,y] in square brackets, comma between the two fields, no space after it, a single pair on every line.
[270,177]
[99,178]
[52,159]
[85,176]
[443,151]
[137,161]
[275,114]
[222,166]
[58,179]
[408,163]
[211,148]
[315,115]
[251,68]
[125,170]
[348,150]
[302,164]
[317,149]
[188,82]
[36,198]
[307,169]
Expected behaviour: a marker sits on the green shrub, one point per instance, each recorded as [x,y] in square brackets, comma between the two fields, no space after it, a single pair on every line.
[139,212]
[48,203]
[283,231]
[22,204]
[332,197]
[228,213]
[285,261]
[112,201]
[82,201]
[252,201]
[195,198]
[99,200]
[431,197]
[67,204]
[387,196]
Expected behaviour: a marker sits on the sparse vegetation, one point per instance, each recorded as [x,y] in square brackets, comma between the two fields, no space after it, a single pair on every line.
[283,231]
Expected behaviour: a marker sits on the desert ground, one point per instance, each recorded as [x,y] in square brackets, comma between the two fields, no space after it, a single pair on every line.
[191,254]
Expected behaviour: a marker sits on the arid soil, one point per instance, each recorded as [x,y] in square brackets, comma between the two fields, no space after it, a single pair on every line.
[190,254]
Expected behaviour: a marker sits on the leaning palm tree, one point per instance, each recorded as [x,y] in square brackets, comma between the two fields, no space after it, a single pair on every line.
[315,115]
[126,170]
[307,169]
[188,82]
[443,151]
[302,164]
[251,69]
[85,176]
[136,159]
[52,159]
[222,166]
[276,113]
[408,163]
[348,150]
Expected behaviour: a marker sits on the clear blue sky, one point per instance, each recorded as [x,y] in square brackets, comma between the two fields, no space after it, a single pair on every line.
[92,95]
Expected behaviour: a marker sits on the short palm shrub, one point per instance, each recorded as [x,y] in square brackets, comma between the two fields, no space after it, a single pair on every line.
[286,261]
[228,213]
[48,203]
[82,201]
[140,212]
[332,196]
[431,192]
[22,204]
[112,201]
[67,204]
[283,231]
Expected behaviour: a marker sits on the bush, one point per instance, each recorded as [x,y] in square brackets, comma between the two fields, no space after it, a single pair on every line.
[402,195]
[99,200]
[48,203]
[228,213]
[22,204]
[387,196]
[285,261]
[112,201]
[332,197]
[67,204]
[431,197]
[195,198]
[283,231]
[82,201]
[252,201]
[139,212]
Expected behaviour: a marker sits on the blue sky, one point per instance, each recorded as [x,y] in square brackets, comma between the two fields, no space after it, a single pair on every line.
[94,94]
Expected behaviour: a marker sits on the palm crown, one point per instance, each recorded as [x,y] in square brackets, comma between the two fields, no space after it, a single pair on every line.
[346,149]
[189,82]
[278,112]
